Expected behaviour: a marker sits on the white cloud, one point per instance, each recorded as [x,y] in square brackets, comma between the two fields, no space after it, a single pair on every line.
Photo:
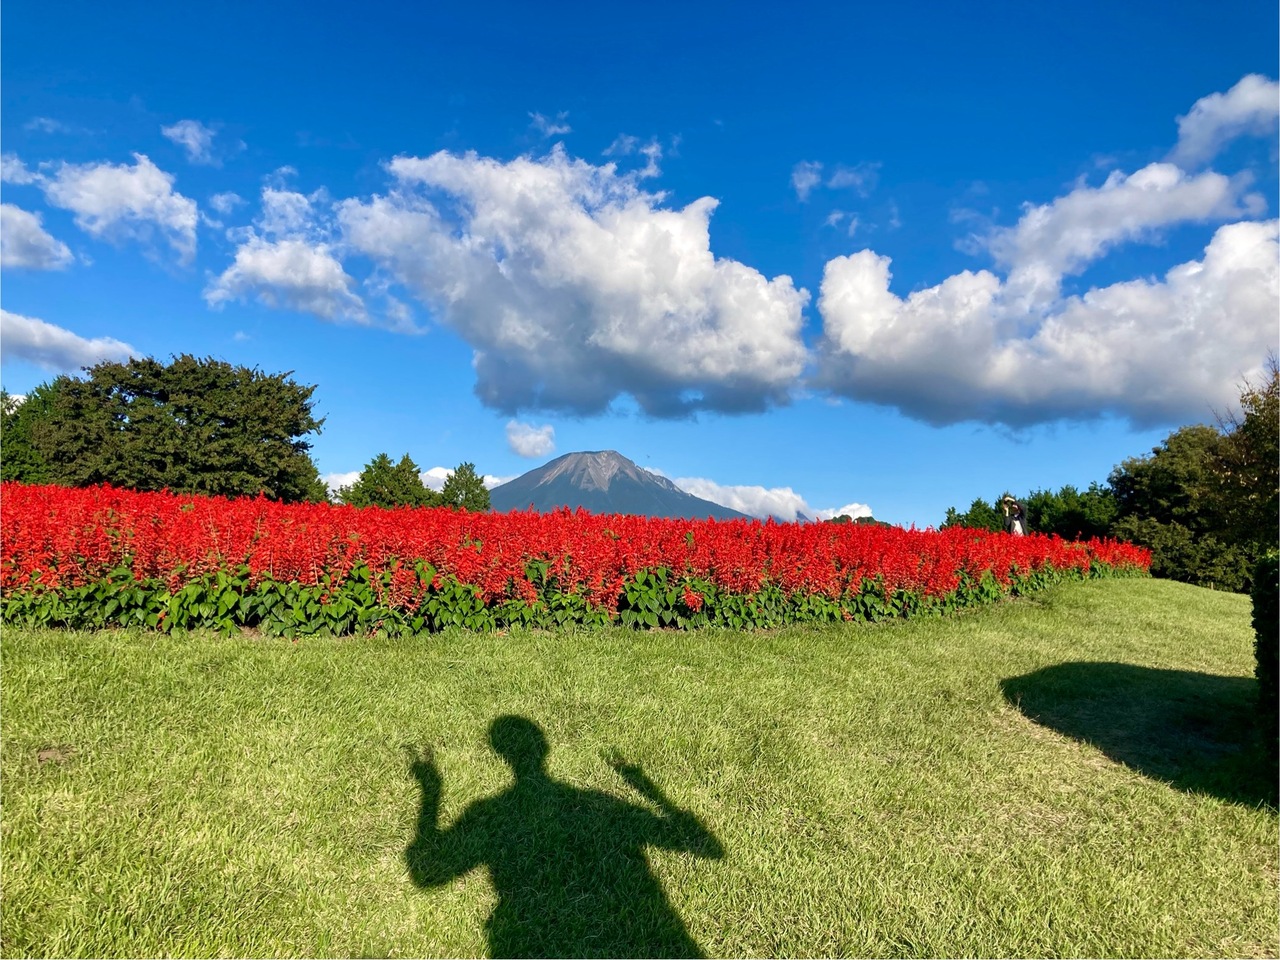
[780,502]
[851,510]
[526,440]
[435,477]
[625,145]
[1063,237]
[574,286]
[1251,107]
[196,139]
[46,125]
[335,481]
[13,170]
[1153,351]
[551,127]
[286,260]
[861,178]
[24,242]
[54,348]
[224,203]
[122,201]
[289,274]
[806,175]
[287,213]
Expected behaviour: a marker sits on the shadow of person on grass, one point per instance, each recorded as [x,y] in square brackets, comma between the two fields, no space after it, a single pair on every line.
[1195,731]
[568,864]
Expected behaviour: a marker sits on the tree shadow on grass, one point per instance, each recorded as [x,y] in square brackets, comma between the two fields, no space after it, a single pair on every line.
[1195,731]
[568,864]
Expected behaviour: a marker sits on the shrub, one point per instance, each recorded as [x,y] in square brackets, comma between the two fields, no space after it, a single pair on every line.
[1266,587]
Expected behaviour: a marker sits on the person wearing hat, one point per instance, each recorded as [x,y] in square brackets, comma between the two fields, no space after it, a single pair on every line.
[1015,518]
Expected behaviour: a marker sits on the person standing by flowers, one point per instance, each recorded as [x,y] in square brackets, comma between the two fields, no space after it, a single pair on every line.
[1015,518]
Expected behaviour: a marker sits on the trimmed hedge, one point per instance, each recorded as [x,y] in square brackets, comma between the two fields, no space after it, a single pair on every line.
[1266,648]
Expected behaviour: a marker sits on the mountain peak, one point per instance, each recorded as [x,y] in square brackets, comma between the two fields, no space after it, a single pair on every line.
[592,469]
[602,481]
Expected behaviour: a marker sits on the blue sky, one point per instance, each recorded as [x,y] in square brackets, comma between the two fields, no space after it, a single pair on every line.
[885,258]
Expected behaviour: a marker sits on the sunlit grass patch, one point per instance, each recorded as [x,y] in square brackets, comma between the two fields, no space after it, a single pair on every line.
[1071,775]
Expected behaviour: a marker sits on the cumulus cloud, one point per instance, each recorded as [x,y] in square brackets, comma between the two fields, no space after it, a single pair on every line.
[336,481]
[25,244]
[806,175]
[575,286]
[286,261]
[435,477]
[55,348]
[526,440]
[116,201]
[853,511]
[1250,108]
[13,170]
[1153,351]
[755,501]
[551,127]
[287,213]
[290,274]
[1063,237]
[196,139]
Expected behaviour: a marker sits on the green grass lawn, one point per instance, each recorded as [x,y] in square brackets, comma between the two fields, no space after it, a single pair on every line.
[1073,774]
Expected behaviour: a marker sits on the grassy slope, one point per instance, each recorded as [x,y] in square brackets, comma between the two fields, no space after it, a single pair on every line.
[876,791]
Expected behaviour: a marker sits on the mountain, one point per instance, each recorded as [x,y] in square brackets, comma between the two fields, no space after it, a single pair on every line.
[603,481]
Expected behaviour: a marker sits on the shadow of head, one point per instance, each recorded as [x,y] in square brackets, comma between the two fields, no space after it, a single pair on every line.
[520,742]
[1194,731]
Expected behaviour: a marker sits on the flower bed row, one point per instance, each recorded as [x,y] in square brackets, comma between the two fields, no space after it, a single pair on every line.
[101,556]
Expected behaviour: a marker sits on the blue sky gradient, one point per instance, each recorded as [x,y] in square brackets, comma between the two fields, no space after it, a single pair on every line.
[885,258]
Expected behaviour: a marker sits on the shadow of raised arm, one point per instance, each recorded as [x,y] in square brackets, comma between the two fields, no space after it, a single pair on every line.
[434,857]
[681,830]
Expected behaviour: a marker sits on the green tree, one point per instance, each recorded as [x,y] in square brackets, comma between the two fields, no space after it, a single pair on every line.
[193,425]
[1070,514]
[465,490]
[1248,464]
[381,484]
[1172,503]
[20,458]
[981,515]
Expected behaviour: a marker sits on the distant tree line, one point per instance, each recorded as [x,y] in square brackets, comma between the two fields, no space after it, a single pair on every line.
[859,521]
[195,425]
[1205,501]
[382,484]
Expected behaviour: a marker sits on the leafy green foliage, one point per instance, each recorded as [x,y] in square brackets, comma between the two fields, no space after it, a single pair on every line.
[360,604]
[1171,502]
[20,457]
[1071,514]
[1248,464]
[981,515]
[1266,627]
[383,485]
[194,425]
[464,489]
[1205,501]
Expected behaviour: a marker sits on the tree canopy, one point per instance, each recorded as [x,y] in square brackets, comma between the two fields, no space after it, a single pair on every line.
[464,489]
[192,425]
[381,484]
[1205,501]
